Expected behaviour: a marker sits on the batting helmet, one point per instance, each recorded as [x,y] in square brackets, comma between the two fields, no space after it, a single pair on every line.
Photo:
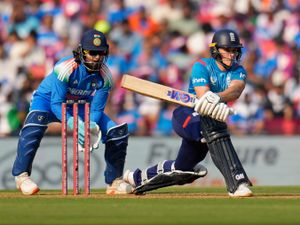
[92,42]
[225,38]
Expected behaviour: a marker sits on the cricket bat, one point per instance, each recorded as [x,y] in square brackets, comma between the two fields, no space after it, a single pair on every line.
[158,91]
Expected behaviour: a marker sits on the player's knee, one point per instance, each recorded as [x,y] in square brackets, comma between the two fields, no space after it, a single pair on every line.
[118,133]
[116,143]
[35,124]
[33,132]
[37,118]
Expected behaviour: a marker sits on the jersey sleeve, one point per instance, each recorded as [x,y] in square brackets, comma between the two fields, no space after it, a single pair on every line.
[239,74]
[99,100]
[199,74]
[60,81]
[58,95]
[98,104]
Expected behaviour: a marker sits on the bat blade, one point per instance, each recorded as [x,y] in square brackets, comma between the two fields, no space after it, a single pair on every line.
[157,91]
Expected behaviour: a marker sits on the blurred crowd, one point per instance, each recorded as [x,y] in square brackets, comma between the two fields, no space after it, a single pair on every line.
[157,40]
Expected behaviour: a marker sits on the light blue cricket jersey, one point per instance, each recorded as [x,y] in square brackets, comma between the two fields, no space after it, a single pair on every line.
[205,72]
[71,81]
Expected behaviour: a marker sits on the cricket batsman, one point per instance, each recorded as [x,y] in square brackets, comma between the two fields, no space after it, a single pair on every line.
[215,81]
[82,76]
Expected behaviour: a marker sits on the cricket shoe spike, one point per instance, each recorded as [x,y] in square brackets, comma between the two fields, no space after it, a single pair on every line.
[26,185]
[241,192]
[119,187]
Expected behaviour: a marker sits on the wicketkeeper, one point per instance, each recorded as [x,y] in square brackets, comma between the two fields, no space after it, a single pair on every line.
[82,76]
[215,81]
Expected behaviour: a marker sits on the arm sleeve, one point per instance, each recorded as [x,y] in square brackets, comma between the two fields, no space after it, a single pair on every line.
[62,71]
[98,104]
[239,74]
[58,96]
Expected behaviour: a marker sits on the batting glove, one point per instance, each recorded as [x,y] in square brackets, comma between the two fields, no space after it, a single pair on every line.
[206,104]
[221,112]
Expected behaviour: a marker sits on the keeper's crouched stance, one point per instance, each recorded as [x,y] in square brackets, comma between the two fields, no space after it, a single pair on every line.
[81,76]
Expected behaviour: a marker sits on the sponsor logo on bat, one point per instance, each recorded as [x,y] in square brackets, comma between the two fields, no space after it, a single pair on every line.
[180,96]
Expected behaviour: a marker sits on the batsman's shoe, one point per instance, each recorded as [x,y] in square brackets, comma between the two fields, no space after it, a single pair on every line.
[242,191]
[128,178]
[26,185]
[119,187]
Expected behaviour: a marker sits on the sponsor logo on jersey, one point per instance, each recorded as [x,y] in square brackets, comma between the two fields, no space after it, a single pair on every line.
[74,91]
[180,96]
[75,82]
[198,80]
[242,75]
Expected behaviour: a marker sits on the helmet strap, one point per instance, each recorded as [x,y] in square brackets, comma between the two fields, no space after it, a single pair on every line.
[217,56]
[224,65]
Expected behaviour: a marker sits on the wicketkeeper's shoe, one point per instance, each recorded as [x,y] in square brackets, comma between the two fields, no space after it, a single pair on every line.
[242,191]
[26,185]
[119,187]
[128,177]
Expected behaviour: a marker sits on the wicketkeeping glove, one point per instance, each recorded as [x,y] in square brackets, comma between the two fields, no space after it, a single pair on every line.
[95,134]
[206,104]
[95,137]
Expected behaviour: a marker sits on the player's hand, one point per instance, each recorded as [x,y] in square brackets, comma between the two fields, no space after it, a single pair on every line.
[206,104]
[221,112]
[70,123]
[95,138]
[95,133]
[80,131]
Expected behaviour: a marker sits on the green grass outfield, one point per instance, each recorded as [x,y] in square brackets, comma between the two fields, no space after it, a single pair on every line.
[177,205]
